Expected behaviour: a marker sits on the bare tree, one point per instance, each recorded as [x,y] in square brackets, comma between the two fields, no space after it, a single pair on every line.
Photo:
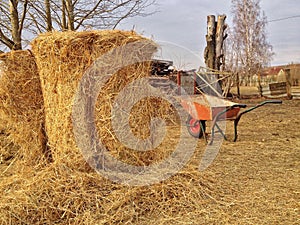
[250,50]
[37,16]
[85,14]
[12,16]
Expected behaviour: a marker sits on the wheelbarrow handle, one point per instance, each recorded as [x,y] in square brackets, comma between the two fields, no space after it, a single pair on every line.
[236,121]
[259,105]
[273,102]
[238,106]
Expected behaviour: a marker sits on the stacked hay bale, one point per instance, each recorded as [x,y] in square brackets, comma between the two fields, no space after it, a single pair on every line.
[64,192]
[62,59]
[21,105]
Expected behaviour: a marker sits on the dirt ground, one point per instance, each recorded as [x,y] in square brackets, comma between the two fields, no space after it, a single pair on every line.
[262,167]
[258,177]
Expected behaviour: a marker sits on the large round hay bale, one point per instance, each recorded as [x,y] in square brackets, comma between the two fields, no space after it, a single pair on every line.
[62,59]
[21,104]
[64,192]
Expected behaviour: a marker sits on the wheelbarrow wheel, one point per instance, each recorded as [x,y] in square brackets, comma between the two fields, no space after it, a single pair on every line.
[194,127]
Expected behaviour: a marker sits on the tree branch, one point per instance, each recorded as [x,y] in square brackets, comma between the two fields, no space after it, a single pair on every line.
[125,16]
[88,14]
[23,17]
[37,24]
[5,40]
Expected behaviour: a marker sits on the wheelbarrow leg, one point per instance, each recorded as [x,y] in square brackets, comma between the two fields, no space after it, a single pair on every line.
[215,124]
[236,121]
[203,130]
[220,130]
[216,119]
[213,131]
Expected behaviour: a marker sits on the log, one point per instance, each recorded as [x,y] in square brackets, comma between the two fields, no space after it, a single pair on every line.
[210,52]
[220,37]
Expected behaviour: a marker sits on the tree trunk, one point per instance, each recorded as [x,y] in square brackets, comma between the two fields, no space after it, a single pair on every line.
[15,32]
[238,85]
[210,50]
[259,85]
[219,40]
[213,54]
[64,16]
[70,13]
[48,15]
[219,45]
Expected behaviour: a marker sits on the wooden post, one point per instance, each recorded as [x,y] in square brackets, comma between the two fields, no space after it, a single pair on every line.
[213,54]
[210,50]
[288,83]
[219,41]
[220,37]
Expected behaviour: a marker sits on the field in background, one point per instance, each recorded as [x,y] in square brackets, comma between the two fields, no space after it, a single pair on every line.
[251,91]
[245,90]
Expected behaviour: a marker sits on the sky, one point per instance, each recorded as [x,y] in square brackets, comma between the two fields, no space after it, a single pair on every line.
[180,28]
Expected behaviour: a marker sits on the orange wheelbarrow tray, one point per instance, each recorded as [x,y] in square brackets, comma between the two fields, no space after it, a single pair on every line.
[202,108]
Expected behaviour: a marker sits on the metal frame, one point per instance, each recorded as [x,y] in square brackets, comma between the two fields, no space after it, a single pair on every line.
[237,118]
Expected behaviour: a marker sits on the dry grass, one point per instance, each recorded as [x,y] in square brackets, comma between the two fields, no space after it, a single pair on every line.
[61,195]
[262,169]
[252,181]
[246,91]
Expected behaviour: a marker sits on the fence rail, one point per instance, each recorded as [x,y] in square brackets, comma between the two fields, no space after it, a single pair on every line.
[280,90]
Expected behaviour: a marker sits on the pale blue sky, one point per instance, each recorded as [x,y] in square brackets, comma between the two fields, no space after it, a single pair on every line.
[183,23]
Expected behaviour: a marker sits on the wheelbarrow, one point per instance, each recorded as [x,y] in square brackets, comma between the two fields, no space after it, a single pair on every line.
[202,108]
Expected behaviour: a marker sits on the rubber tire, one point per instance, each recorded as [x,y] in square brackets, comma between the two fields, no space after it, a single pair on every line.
[194,128]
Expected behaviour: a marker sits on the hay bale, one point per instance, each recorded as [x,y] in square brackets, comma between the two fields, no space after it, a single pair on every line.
[62,59]
[21,104]
[63,192]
